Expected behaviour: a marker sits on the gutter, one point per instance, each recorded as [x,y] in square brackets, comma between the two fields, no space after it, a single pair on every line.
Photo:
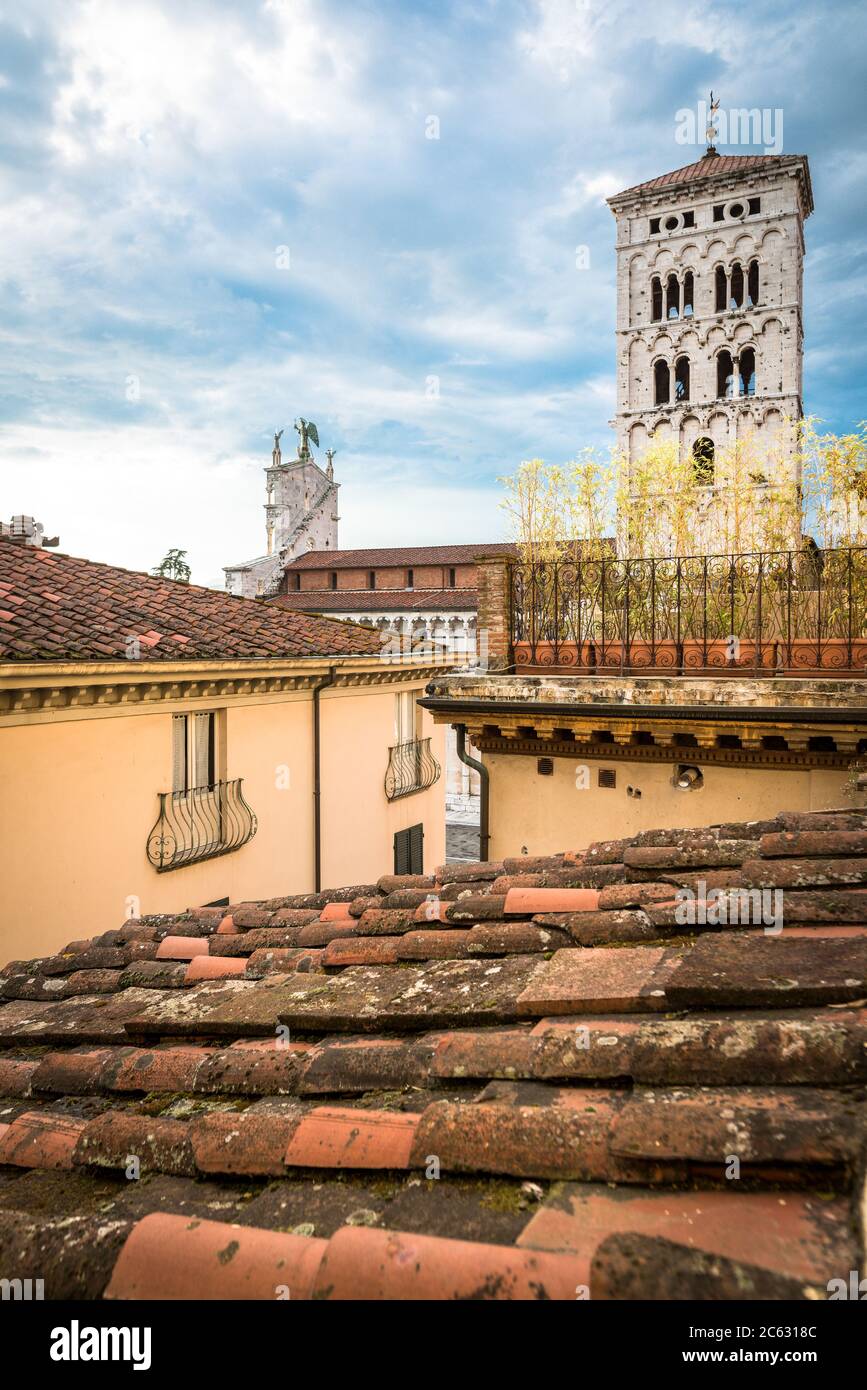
[317,789]
[484,790]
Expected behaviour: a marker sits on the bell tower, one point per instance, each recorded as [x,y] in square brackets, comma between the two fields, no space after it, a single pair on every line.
[709,308]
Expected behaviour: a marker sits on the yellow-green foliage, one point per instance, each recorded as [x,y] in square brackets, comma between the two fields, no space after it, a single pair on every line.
[660,504]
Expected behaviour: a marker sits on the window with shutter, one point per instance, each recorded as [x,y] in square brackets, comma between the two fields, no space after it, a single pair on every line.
[409,850]
[194,751]
[179,752]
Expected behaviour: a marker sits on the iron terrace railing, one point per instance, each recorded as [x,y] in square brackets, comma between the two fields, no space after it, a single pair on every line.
[200,824]
[412,767]
[762,614]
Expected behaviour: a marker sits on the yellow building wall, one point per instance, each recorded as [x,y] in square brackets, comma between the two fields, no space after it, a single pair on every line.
[78,798]
[546,815]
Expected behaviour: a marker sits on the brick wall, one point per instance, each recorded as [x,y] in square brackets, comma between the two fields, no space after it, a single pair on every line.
[494,622]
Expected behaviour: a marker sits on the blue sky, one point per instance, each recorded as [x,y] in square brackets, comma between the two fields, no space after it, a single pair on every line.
[155,157]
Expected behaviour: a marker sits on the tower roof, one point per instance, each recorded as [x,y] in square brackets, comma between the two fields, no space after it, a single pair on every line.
[718,166]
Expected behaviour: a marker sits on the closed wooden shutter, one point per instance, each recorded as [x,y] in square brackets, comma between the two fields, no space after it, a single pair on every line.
[416,849]
[179,752]
[203,745]
[409,850]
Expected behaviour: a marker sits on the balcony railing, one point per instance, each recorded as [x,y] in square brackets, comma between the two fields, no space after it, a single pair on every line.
[759,614]
[412,767]
[200,824]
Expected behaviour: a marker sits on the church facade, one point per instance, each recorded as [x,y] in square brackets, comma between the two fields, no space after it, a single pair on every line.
[300,515]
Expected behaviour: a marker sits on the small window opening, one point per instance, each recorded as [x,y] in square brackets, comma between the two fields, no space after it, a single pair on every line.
[410,579]
[672,298]
[681,379]
[747,371]
[661,384]
[719,212]
[688,292]
[754,205]
[654,226]
[737,291]
[656,299]
[725,376]
[753,283]
[689,219]
[702,461]
[720,289]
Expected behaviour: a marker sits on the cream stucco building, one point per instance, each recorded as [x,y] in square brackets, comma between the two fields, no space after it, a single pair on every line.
[164,746]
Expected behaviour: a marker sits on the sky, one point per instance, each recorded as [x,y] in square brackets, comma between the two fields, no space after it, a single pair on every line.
[218,216]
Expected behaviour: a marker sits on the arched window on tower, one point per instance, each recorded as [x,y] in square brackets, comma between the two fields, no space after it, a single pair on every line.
[661,383]
[736,299]
[747,371]
[702,461]
[720,289]
[725,375]
[672,298]
[655,299]
[753,283]
[681,379]
[688,292]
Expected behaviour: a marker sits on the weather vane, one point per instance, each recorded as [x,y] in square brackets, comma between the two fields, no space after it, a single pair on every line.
[711,130]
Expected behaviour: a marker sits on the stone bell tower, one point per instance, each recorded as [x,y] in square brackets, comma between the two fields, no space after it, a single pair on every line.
[709,308]
[300,515]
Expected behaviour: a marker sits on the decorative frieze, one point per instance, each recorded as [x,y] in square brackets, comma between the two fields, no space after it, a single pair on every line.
[38,698]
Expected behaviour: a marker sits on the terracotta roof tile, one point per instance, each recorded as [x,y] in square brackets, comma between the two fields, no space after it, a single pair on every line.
[377,600]
[575,1084]
[399,556]
[712,166]
[95,609]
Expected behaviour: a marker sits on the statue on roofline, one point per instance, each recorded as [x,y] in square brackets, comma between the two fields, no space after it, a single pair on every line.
[306,431]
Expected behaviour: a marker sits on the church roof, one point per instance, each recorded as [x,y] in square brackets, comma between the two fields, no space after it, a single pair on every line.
[399,555]
[582,1064]
[379,600]
[712,166]
[61,608]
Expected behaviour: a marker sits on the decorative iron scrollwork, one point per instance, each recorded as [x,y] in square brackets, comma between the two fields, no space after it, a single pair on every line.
[200,824]
[412,767]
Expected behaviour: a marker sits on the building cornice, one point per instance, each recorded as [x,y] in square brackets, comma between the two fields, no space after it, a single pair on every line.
[28,688]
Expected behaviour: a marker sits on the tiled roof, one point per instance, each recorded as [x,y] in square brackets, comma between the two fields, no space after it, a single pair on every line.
[378,600]
[399,555]
[56,607]
[711,166]
[506,1080]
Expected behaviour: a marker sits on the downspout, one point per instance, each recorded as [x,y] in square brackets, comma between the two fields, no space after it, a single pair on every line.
[317,789]
[484,789]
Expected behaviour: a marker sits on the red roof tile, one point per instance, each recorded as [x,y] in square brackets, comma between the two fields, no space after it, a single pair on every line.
[398,556]
[95,610]
[377,600]
[575,1083]
[712,166]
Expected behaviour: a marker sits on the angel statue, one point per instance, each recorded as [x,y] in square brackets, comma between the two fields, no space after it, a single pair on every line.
[307,431]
